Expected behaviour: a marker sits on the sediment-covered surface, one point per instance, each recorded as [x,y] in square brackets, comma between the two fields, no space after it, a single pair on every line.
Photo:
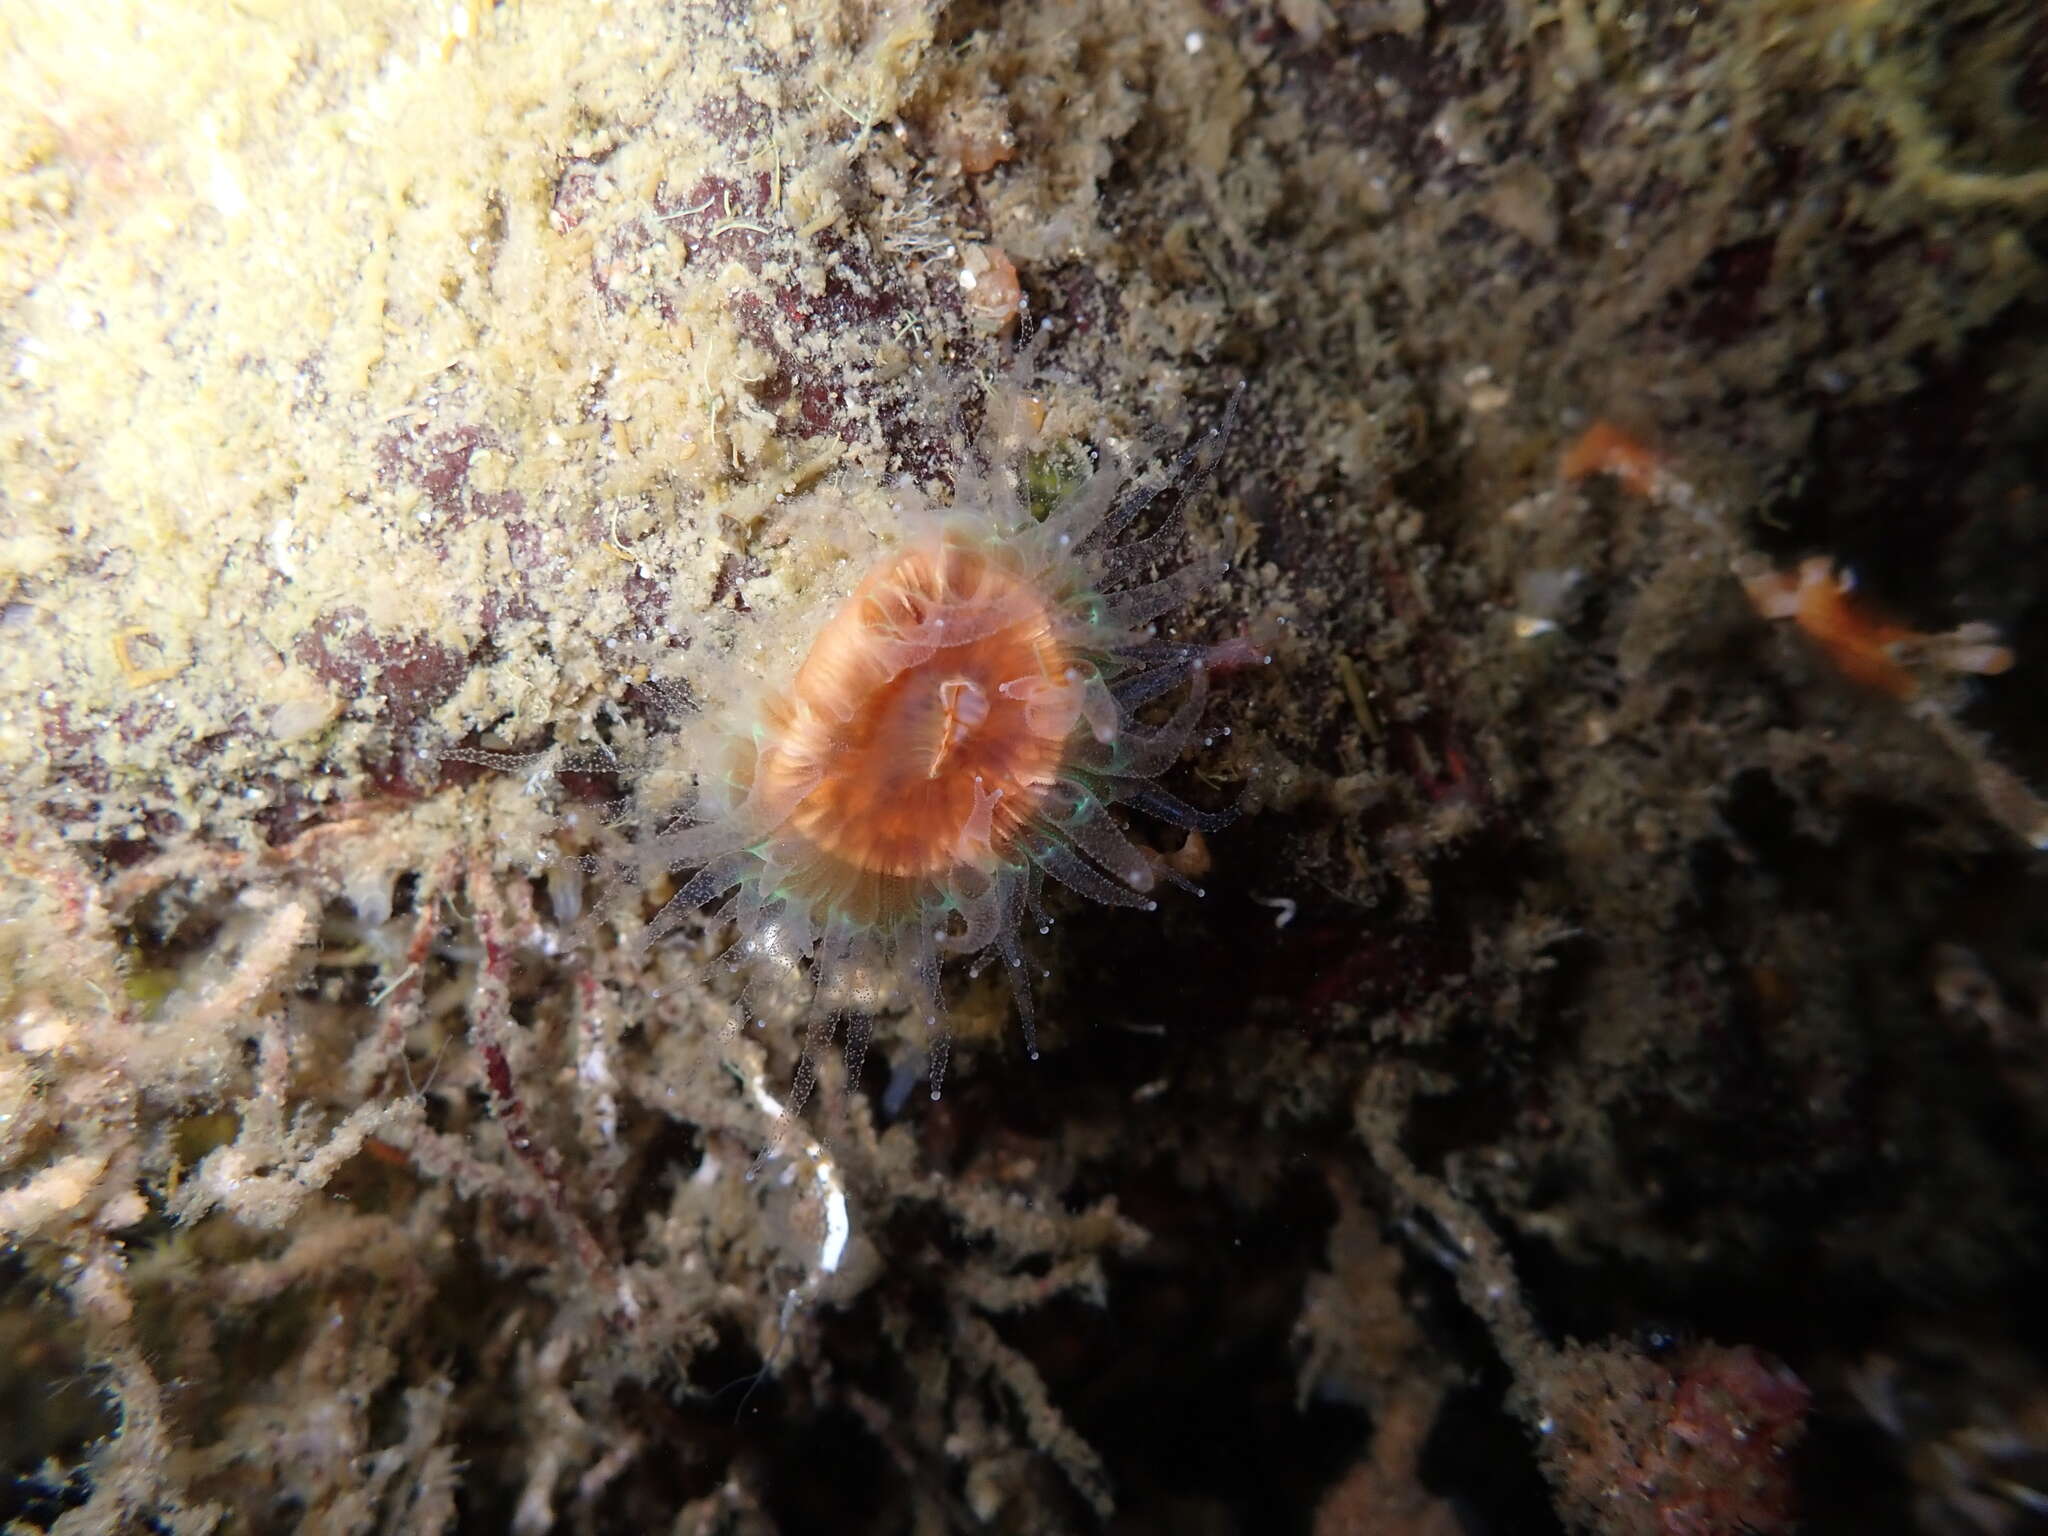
[1605,1084]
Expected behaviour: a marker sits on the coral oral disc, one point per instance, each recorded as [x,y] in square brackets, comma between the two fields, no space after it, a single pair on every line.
[904,722]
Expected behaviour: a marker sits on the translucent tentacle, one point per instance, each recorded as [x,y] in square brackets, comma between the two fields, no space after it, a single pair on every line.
[1076,874]
[1142,754]
[817,1039]
[860,1029]
[1156,802]
[714,879]
[979,913]
[756,817]
[502,762]
[1141,605]
[1034,897]
[749,902]
[1126,511]
[1050,704]
[1137,691]
[1189,474]
[1020,978]
[1078,521]
[1096,833]
[682,848]
[1143,554]
[1099,708]
[921,939]
[938,1048]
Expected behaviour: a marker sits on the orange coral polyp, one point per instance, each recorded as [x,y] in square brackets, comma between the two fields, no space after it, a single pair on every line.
[911,749]
[1866,647]
[1606,448]
[954,735]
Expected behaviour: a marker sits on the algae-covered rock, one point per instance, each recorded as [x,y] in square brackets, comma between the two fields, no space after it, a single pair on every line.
[418,424]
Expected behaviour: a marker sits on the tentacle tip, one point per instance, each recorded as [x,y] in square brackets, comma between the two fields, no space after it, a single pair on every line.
[935,1095]
[1032,1053]
[1151,906]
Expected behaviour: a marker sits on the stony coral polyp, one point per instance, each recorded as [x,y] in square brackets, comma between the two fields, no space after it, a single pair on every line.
[956,732]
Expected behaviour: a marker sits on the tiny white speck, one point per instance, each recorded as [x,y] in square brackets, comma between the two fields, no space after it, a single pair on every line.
[1194,42]
[1282,905]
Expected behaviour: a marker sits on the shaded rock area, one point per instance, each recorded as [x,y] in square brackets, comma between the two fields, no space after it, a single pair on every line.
[1604,1085]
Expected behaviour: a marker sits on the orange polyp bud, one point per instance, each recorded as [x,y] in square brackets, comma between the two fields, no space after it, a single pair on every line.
[1606,449]
[993,292]
[1869,649]
[1859,641]
[975,134]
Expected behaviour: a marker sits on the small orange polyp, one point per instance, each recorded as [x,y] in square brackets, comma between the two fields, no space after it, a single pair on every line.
[1607,449]
[1869,649]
